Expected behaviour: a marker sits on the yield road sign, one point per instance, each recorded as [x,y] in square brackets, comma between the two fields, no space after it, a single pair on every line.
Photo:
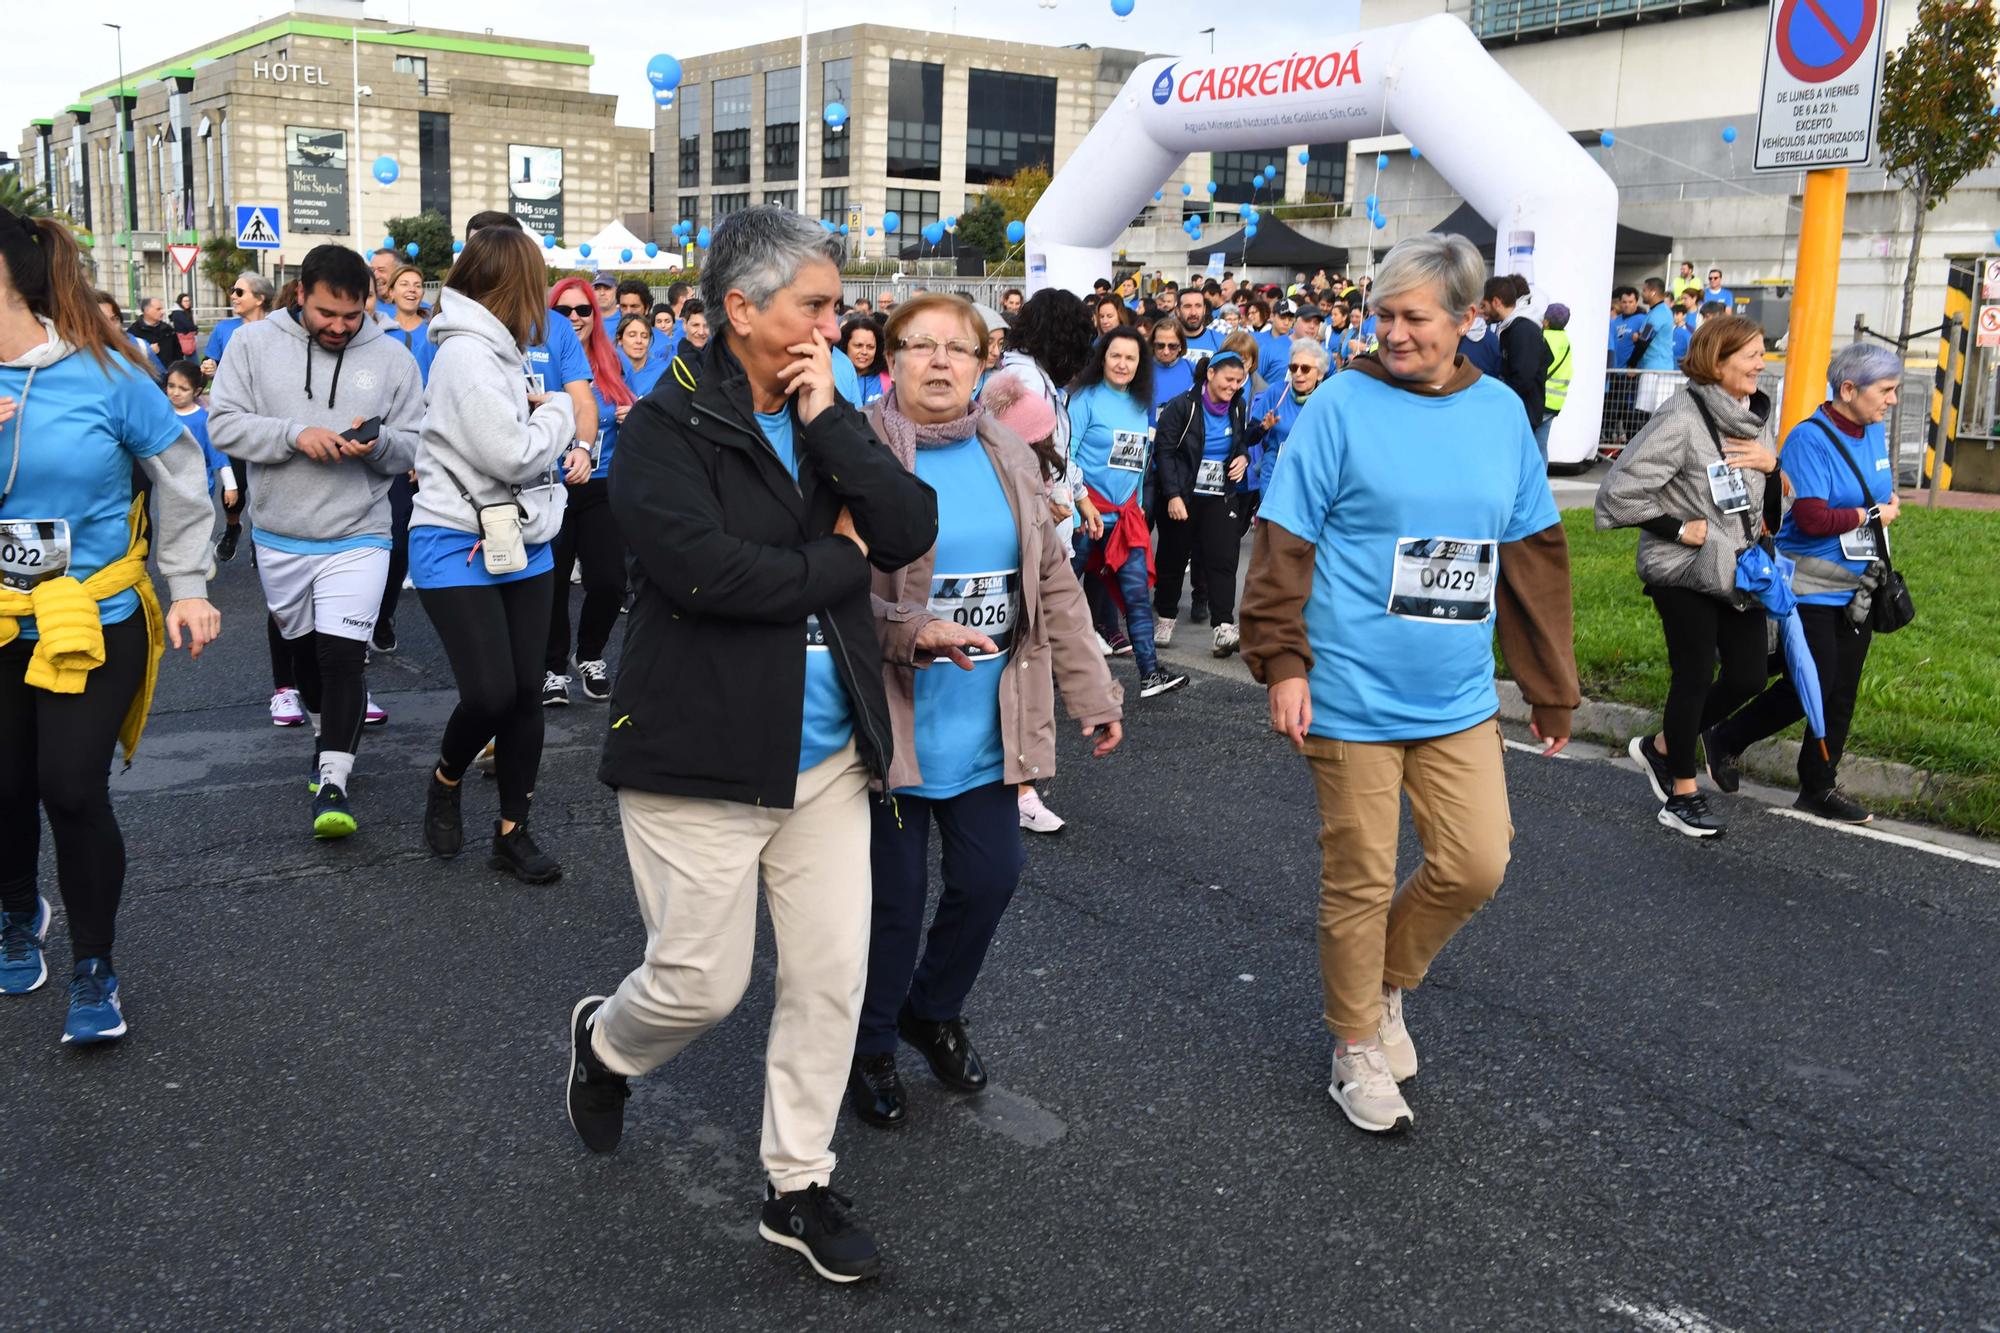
[257,226]
[184,256]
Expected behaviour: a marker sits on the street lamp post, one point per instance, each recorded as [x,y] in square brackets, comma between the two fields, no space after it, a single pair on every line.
[121,127]
[354,142]
[803,122]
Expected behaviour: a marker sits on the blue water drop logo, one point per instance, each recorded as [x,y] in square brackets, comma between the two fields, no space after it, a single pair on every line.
[1163,87]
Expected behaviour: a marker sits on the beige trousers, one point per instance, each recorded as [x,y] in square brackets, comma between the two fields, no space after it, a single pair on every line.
[1372,933]
[695,865]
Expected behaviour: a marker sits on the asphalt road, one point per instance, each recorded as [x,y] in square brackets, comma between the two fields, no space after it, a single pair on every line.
[1744,1085]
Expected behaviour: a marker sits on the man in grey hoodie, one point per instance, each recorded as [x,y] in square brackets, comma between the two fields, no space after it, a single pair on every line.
[326,411]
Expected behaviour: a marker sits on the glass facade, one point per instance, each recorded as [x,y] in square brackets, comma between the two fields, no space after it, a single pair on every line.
[725,204]
[837,82]
[916,119]
[732,132]
[434,163]
[1326,171]
[833,205]
[1010,124]
[690,210]
[689,100]
[781,122]
[1235,171]
[782,198]
[915,210]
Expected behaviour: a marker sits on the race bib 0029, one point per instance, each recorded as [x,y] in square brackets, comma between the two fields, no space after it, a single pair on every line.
[1444,579]
[1128,450]
[33,551]
[989,603]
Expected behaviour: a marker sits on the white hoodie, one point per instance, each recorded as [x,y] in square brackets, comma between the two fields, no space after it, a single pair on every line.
[479,437]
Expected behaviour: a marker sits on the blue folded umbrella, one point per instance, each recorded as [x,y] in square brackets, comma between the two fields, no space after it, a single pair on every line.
[1768,576]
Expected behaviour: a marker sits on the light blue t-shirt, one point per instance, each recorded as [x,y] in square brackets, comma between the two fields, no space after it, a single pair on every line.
[1683,335]
[1208,341]
[1214,433]
[829,717]
[1722,294]
[418,342]
[846,382]
[1659,353]
[1407,499]
[446,558]
[1108,438]
[1274,356]
[195,419]
[975,581]
[1264,454]
[1812,464]
[219,336]
[80,427]
[1624,328]
[558,358]
[1169,382]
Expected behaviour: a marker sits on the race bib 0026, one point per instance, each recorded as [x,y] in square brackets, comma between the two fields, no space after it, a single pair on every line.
[1128,450]
[989,603]
[1208,477]
[1444,579]
[33,551]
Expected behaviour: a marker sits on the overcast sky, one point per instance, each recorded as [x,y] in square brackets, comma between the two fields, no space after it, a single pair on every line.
[51,52]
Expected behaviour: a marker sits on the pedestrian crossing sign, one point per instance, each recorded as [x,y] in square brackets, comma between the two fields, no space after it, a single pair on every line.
[256,227]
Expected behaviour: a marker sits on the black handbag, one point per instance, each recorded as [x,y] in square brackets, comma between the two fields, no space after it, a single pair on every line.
[1891,608]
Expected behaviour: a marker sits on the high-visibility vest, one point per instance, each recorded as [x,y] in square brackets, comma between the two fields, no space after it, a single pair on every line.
[1557,391]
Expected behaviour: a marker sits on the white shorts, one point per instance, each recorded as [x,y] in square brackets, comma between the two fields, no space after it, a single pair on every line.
[338,594]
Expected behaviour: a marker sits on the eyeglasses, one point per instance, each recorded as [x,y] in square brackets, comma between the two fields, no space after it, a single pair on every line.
[237,291]
[925,348]
[1166,345]
[1306,369]
[574,311]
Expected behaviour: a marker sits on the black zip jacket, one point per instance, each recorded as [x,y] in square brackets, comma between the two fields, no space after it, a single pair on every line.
[728,559]
[1182,433]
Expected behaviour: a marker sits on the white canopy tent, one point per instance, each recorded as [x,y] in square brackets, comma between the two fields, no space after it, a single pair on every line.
[605,248]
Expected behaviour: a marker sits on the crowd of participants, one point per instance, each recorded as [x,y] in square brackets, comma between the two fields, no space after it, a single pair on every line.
[860,550]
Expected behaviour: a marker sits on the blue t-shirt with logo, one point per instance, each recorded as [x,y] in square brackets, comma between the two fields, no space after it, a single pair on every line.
[975,581]
[1659,353]
[80,428]
[1208,341]
[1722,294]
[1406,499]
[1214,434]
[1813,466]
[1103,419]
[1624,328]
[558,358]
[829,717]
[1169,382]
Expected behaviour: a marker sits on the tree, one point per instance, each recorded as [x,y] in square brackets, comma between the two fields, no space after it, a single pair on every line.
[432,233]
[983,227]
[20,198]
[221,262]
[1937,125]
[1016,197]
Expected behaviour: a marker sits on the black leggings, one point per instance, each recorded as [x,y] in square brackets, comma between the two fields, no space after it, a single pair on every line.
[1839,651]
[591,535]
[402,498]
[55,757]
[493,635]
[333,682]
[1700,629]
[1207,537]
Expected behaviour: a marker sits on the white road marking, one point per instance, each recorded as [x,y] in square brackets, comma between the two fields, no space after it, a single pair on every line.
[1526,748]
[1662,1318]
[1883,835]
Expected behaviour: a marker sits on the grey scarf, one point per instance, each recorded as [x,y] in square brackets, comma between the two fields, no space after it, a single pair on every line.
[904,436]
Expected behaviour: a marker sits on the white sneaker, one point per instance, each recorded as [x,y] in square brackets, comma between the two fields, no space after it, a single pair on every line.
[1397,1048]
[286,710]
[1163,631]
[576,573]
[1365,1090]
[555,690]
[1103,645]
[1036,817]
[1225,639]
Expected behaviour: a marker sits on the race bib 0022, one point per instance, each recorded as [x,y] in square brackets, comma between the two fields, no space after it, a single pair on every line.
[1444,579]
[1128,450]
[1208,477]
[33,551]
[989,603]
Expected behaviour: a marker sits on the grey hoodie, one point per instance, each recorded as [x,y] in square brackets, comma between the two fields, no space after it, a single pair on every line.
[277,384]
[479,438]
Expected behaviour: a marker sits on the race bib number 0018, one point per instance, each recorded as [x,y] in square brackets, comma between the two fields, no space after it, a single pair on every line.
[989,603]
[1444,579]
[1128,450]
[33,551]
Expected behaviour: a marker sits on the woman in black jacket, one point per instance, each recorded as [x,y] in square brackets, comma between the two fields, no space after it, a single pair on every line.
[1203,445]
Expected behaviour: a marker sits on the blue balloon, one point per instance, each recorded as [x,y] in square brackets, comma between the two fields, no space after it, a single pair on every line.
[871,231]
[584,250]
[1305,157]
[457,246]
[1381,161]
[1996,236]
[625,255]
[548,242]
[1380,222]
[934,232]
[386,170]
[1122,8]
[843,229]
[1158,195]
[1729,134]
[1606,139]
[951,222]
[1211,187]
[1271,170]
[835,115]
[663,97]
[1416,152]
[824,223]
[388,242]
[411,249]
[701,238]
[652,250]
[663,72]
[1250,230]
[1016,230]
[890,222]
[1374,201]
[1187,190]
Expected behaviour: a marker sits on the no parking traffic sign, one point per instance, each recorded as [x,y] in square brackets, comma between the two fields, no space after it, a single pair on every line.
[1822,84]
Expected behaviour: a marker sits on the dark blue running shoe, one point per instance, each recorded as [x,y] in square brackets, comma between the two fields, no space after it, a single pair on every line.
[94,1011]
[22,967]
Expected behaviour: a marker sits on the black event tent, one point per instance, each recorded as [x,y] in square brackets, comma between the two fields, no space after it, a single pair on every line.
[1633,244]
[1274,246]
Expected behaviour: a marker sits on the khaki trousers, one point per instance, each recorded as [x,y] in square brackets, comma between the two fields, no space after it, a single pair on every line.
[694,866]
[1372,933]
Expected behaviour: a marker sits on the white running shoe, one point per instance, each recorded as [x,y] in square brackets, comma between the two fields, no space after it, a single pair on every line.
[286,710]
[1397,1047]
[576,573]
[1103,645]
[555,690]
[1163,631]
[374,715]
[1225,639]
[1365,1090]
[1036,817]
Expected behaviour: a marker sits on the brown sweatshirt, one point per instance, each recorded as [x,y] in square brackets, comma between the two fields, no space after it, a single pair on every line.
[1533,601]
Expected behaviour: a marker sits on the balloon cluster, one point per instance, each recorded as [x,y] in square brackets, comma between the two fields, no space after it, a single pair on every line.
[664,73]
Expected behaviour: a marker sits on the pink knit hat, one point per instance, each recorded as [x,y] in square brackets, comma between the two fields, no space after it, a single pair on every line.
[1019,409]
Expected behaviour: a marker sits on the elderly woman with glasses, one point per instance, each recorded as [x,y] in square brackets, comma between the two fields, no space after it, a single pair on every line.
[1274,412]
[974,634]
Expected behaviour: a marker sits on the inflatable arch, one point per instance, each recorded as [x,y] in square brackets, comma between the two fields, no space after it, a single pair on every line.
[1554,210]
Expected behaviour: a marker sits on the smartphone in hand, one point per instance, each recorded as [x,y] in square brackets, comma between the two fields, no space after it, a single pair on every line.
[366,433]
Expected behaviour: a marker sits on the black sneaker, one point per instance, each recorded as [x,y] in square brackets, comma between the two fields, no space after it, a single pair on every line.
[444,829]
[596,678]
[1198,611]
[947,1050]
[1653,764]
[1833,804]
[875,1090]
[814,1222]
[1690,814]
[555,690]
[1160,681]
[225,550]
[383,640]
[517,854]
[593,1094]
[332,817]
[1723,768]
